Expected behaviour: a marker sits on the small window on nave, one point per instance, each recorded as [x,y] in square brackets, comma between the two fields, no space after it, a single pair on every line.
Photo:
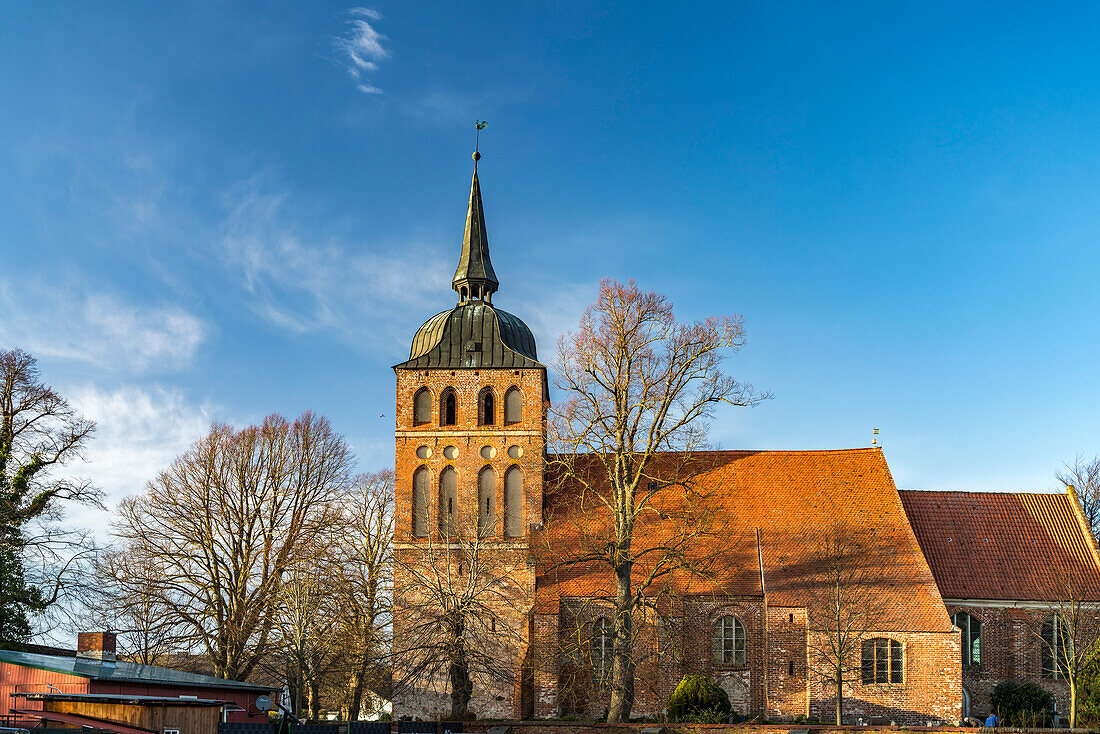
[1056,640]
[602,650]
[971,628]
[727,642]
[882,661]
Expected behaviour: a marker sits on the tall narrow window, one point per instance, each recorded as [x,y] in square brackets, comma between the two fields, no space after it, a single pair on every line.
[448,501]
[513,503]
[422,407]
[727,642]
[602,650]
[1055,641]
[421,492]
[486,501]
[883,661]
[513,406]
[486,408]
[448,408]
[971,637]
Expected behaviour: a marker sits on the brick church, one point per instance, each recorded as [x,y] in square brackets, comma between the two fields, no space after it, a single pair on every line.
[963,582]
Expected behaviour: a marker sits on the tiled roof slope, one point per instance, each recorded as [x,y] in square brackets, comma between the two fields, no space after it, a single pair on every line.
[795,499]
[1001,545]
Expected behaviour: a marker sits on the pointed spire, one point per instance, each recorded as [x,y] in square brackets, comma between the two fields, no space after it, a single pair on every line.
[474,278]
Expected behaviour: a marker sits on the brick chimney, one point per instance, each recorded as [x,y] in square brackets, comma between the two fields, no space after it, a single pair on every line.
[96,646]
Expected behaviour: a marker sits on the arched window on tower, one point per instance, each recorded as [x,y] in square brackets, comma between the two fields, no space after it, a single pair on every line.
[422,407]
[448,501]
[513,406]
[486,502]
[421,492]
[448,407]
[513,503]
[486,407]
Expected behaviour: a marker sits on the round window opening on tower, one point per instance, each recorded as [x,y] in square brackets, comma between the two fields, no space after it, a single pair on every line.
[423,452]
[488,452]
[450,452]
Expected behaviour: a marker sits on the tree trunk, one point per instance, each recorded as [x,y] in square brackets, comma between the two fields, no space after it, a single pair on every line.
[461,688]
[839,698]
[314,699]
[355,687]
[622,665]
[1072,703]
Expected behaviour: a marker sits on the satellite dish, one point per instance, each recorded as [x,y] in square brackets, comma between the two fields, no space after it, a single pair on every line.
[263,703]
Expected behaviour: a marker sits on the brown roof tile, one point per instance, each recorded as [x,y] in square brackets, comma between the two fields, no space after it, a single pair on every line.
[793,498]
[1002,545]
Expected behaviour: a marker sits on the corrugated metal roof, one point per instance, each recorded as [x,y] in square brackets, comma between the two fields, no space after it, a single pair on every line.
[1004,545]
[122,671]
[472,335]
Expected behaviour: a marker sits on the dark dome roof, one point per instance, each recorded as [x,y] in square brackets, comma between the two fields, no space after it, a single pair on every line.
[471,335]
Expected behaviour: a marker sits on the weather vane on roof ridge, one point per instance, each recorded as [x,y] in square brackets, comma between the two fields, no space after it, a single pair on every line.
[479,125]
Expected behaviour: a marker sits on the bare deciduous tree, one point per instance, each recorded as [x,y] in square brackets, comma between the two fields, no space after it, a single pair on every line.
[128,601]
[40,431]
[452,594]
[1069,637]
[364,594]
[637,383]
[1084,476]
[224,524]
[844,608]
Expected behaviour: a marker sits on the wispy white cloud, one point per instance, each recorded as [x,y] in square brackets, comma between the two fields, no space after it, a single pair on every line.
[138,432]
[304,282]
[97,328]
[361,47]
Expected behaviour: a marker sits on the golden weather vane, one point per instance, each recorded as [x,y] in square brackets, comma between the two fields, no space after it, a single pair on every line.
[479,125]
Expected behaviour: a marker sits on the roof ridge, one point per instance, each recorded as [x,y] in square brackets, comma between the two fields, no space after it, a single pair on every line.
[998,492]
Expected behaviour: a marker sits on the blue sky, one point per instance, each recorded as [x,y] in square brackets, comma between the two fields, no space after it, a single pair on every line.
[213,211]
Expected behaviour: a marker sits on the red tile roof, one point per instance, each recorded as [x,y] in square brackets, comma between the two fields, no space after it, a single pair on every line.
[794,499]
[1001,545]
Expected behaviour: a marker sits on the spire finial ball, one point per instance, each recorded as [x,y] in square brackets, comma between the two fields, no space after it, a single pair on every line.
[476,156]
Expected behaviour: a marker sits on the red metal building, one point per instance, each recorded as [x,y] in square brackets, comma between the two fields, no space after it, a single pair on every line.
[95,670]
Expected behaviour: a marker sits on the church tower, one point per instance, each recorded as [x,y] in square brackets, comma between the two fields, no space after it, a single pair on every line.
[470,440]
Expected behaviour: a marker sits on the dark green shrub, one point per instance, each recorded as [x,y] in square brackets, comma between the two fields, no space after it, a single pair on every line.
[696,697]
[1022,703]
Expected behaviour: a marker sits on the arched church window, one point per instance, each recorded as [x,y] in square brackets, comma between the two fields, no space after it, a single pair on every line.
[448,407]
[421,484]
[513,406]
[882,661]
[513,503]
[422,407]
[727,641]
[486,501]
[602,650]
[1055,641]
[448,501]
[486,407]
[971,637]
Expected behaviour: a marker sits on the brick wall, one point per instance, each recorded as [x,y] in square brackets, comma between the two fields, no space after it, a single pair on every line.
[1010,650]
[788,690]
[931,689]
[468,448]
